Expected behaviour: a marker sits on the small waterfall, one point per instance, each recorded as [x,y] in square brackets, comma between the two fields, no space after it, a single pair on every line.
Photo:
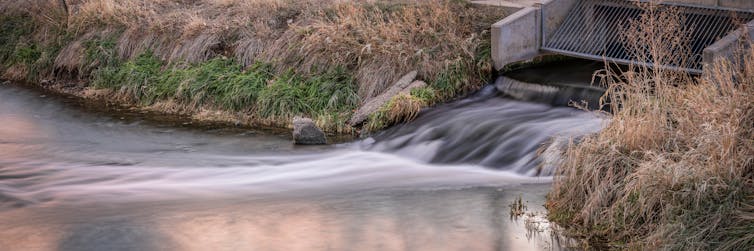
[494,130]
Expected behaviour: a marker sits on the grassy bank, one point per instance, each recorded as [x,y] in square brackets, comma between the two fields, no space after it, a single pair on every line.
[255,61]
[674,168]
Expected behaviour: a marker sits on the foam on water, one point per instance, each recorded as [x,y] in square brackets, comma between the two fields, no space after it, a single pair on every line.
[487,130]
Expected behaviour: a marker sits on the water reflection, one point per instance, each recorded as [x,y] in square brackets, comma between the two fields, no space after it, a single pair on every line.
[462,219]
[19,137]
[72,179]
[112,235]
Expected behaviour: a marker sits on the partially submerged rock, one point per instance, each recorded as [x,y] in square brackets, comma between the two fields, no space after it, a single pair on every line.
[305,132]
[406,83]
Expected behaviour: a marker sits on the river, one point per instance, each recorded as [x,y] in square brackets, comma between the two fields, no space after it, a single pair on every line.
[76,176]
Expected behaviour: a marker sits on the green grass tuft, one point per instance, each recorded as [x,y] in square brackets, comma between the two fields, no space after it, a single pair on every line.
[136,77]
[224,83]
[427,94]
[452,81]
[13,29]
[99,52]
[289,95]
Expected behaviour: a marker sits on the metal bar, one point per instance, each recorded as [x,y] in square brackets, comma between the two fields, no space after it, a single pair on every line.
[695,25]
[593,35]
[575,34]
[612,35]
[592,29]
[711,23]
[599,31]
[614,51]
[691,21]
[708,35]
[586,26]
[569,26]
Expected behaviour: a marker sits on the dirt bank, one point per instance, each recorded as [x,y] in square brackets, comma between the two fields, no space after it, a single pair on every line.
[255,62]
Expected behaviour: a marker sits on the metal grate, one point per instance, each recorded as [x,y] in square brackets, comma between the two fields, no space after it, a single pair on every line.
[592,30]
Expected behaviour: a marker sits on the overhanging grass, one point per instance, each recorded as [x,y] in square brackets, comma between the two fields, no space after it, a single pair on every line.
[290,94]
[13,29]
[453,81]
[402,108]
[21,56]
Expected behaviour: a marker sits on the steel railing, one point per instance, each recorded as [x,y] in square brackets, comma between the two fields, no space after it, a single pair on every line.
[593,29]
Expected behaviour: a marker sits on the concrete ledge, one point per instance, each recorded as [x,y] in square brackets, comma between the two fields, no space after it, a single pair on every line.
[734,4]
[516,37]
[558,94]
[727,47]
[739,4]
[693,2]
[519,37]
[506,3]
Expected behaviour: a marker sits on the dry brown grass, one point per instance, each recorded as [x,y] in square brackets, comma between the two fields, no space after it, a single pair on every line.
[404,108]
[400,109]
[379,40]
[674,168]
[382,43]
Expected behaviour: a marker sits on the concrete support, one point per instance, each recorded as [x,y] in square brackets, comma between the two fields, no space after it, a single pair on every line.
[694,2]
[727,47]
[516,38]
[519,37]
[735,4]
[738,4]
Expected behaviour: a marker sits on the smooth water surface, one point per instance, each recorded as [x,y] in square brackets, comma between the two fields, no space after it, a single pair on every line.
[75,179]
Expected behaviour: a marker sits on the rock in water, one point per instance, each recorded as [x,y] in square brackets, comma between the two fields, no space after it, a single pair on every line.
[306,133]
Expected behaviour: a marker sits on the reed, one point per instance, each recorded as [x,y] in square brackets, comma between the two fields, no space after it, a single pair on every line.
[674,167]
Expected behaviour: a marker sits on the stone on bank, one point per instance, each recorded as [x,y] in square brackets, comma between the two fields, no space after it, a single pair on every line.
[405,84]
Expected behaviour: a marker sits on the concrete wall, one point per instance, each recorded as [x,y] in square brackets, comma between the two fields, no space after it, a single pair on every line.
[694,2]
[727,47]
[736,4]
[516,38]
[740,4]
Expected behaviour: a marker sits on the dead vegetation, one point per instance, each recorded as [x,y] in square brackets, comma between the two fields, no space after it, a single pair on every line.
[517,209]
[374,42]
[674,168]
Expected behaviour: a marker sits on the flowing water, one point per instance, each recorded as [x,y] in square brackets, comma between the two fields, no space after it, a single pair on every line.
[76,177]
